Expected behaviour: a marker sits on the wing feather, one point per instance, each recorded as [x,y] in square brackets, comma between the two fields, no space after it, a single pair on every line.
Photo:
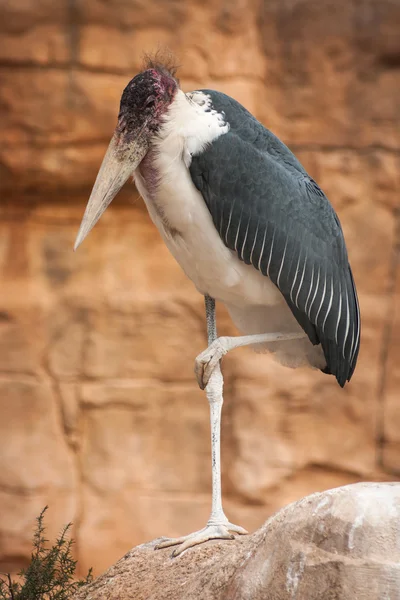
[270,212]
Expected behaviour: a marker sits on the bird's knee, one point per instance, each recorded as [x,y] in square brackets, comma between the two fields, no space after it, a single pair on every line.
[221,345]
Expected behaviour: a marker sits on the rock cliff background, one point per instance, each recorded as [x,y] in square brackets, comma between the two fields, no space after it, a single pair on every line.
[100,414]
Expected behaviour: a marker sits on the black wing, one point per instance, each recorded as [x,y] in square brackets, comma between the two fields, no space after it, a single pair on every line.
[268,210]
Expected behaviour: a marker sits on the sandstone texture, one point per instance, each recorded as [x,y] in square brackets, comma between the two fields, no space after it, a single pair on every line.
[100,414]
[342,544]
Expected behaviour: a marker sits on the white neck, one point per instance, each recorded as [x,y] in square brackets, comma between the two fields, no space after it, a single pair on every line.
[163,179]
[190,125]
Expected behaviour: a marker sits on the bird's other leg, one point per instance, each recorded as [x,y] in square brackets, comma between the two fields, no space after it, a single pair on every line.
[218,526]
[206,362]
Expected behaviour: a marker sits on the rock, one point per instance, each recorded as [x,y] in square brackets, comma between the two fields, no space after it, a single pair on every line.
[390,444]
[99,345]
[342,544]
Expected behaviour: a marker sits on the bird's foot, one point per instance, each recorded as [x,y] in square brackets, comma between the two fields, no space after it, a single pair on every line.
[216,531]
[206,362]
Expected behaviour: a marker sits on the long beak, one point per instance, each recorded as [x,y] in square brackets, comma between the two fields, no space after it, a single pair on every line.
[119,163]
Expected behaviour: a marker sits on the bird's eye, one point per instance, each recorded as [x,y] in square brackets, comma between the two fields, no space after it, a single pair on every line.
[150,102]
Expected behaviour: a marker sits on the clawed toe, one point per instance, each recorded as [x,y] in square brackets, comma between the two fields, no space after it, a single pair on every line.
[223,531]
[199,372]
[237,529]
[206,362]
[203,369]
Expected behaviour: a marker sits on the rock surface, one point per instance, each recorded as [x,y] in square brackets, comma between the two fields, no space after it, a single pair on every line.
[100,415]
[342,544]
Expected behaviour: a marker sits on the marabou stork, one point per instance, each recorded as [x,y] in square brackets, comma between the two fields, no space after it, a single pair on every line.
[248,226]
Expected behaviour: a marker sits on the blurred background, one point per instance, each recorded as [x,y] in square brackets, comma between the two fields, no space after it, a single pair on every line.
[100,415]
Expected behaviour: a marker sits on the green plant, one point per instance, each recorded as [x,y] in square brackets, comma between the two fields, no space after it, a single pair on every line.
[51,572]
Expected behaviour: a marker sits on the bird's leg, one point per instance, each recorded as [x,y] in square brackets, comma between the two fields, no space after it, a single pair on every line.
[206,362]
[218,526]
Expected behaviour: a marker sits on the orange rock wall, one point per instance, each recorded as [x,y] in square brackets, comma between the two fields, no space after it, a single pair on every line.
[100,415]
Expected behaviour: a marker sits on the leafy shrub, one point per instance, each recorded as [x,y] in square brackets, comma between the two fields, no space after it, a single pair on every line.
[51,572]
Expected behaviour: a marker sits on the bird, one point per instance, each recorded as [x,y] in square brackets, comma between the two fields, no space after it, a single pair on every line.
[248,226]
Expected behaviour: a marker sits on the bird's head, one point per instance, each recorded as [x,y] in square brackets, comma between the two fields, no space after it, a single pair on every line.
[144,103]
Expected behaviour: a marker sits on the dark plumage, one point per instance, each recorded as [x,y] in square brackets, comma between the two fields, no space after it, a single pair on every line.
[269,211]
